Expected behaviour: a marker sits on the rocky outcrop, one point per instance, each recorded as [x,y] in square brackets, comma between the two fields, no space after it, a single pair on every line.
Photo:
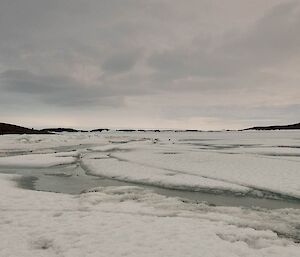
[6,128]
[280,127]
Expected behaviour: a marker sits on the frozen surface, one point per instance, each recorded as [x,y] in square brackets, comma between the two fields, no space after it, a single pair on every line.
[252,171]
[133,221]
[239,162]
[133,172]
[129,221]
[38,160]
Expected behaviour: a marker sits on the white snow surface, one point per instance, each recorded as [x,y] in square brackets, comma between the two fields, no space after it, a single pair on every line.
[144,174]
[239,162]
[38,160]
[133,221]
[130,221]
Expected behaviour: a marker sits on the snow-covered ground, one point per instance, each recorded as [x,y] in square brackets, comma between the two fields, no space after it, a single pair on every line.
[38,160]
[134,221]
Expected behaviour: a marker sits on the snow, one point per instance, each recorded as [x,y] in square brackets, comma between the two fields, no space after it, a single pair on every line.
[38,160]
[131,221]
[134,221]
[240,162]
[132,172]
[239,169]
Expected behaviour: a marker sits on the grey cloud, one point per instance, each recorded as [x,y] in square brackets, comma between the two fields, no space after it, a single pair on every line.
[273,38]
[120,62]
[23,81]
[55,90]
[285,112]
[108,53]
[65,91]
[180,63]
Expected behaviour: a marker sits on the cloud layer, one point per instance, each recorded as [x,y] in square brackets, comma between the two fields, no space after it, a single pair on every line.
[160,63]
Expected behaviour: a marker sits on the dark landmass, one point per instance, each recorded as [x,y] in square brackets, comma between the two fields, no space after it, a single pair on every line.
[153,130]
[187,130]
[6,128]
[126,130]
[281,127]
[14,129]
[99,130]
[60,130]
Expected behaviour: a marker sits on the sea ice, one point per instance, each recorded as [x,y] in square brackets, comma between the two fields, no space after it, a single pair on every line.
[131,221]
[134,221]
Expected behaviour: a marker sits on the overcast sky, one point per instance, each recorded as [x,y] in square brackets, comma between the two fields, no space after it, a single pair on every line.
[195,64]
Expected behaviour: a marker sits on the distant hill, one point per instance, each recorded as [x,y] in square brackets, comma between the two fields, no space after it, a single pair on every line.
[126,130]
[57,130]
[14,129]
[281,127]
[99,130]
